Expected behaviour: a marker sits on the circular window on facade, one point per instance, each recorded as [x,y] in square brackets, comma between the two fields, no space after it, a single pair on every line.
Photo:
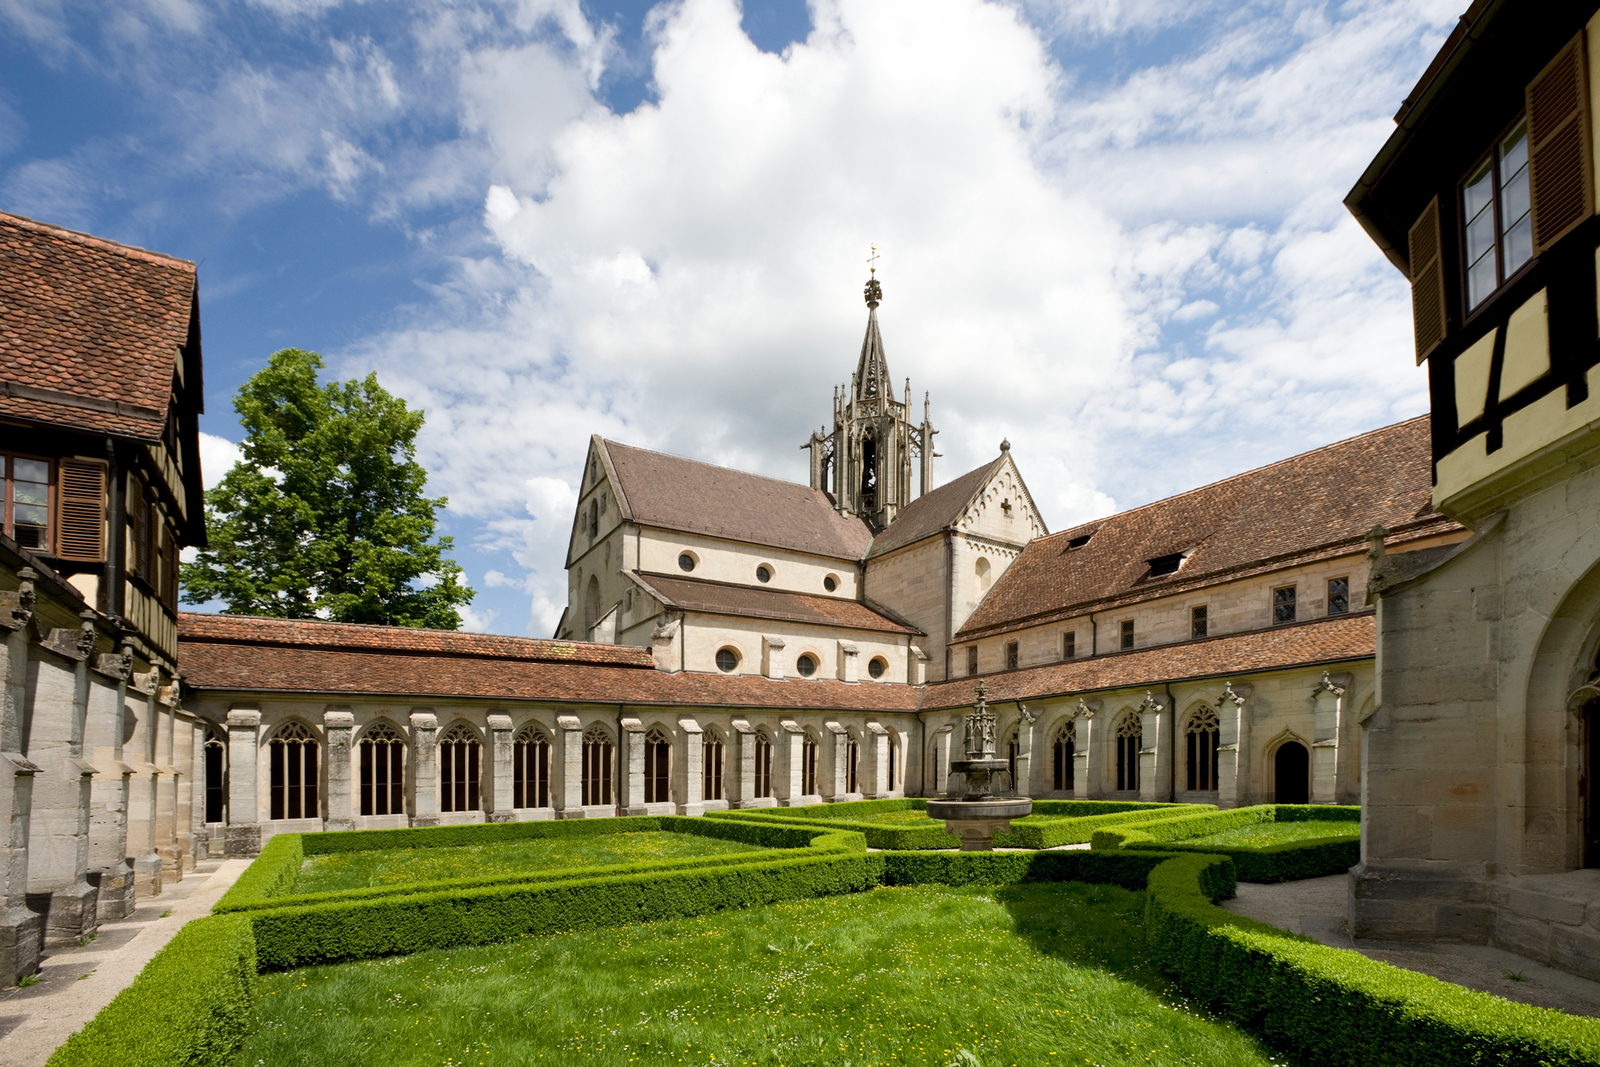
[727,660]
[877,666]
[686,561]
[830,583]
[806,665]
[763,573]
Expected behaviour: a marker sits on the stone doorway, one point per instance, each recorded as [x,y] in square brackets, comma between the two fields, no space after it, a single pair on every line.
[1291,767]
[1588,778]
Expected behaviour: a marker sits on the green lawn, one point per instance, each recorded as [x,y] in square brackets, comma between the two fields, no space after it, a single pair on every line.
[1276,833]
[359,870]
[1023,975]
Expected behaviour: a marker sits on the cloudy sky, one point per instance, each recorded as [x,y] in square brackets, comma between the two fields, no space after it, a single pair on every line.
[1110,230]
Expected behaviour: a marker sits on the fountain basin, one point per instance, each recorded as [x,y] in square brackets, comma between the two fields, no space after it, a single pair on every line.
[976,822]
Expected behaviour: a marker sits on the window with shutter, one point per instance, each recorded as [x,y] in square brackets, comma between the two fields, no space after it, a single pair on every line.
[1427,281]
[1558,140]
[81,535]
[25,505]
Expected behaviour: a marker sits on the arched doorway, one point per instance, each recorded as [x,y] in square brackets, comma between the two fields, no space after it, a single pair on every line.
[1291,767]
[1588,778]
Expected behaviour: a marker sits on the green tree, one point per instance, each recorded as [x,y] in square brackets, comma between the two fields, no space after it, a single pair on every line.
[324,516]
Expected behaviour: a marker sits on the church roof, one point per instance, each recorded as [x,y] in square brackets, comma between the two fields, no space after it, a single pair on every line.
[934,511]
[717,598]
[1315,505]
[655,489]
[90,329]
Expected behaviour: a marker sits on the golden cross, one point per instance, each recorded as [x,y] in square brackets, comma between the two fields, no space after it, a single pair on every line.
[872,260]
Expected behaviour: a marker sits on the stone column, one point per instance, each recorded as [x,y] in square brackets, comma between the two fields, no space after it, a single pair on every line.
[108,821]
[1327,703]
[1024,783]
[339,723]
[183,760]
[1232,746]
[1087,755]
[201,849]
[848,655]
[788,764]
[498,792]
[833,779]
[1154,753]
[21,930]
[873,778]
[691,798]
[425,767]
[740,785]
[776,661]
[940,744]
[631,800]
[167,785]
[242,837]
[567,784]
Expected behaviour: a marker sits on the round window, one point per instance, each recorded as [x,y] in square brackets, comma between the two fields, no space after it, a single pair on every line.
[806,665]
[686,561]
[763,573]
[830,583]
[877,666]
[727,660]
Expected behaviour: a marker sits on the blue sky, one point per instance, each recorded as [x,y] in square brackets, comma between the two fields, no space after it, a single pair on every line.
[1111,229]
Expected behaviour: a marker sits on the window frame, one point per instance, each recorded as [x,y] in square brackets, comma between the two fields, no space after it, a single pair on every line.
[1277,603]
[1199,621]
[52,499]
[1013,655]
[1126,635]
[972,660]
[1069,644]
[1491,155]
[1346,609]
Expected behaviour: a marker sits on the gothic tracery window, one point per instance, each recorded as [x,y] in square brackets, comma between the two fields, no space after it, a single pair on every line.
[1130,732]
[382,770]
[808,766]
[852,765]
[530,769]
[894,764]
[1201,735]
[216,754]
[657,767]
[1013,747]
[292,764]
[763,753]
[598,755]
[711,755]
[460,761]
[1062,750]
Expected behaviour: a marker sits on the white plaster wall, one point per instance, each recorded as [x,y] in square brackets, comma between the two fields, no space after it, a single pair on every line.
[736,563]
[705,634]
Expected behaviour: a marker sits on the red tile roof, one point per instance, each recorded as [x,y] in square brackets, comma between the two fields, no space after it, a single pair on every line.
[1323,641]
[1316,505]
[89,329]
[195,629]
[935,511]
[674,493]
[717,598]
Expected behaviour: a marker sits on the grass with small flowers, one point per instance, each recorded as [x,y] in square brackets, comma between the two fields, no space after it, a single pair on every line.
[1020,975]
[389,867]
[1277,833]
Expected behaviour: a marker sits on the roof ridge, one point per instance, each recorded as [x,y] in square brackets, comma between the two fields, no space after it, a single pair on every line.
[706,463]
[377,627]
[101,243]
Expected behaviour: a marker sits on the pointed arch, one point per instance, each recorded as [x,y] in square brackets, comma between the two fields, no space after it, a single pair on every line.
[713,757]
[599,755]
[460,755]
[657,766]
[381,762]
[1201,734]
[1063,749]
[292,771]
[810,751]
[216,768]
[530,767]
[1129,736]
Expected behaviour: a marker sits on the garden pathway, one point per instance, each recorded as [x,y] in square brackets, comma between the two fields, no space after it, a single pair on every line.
[76,982]
[1316,907]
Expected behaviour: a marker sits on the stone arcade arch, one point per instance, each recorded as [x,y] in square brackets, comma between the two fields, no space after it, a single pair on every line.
[1201,735]
[657,766]
[460,768]
[381,769]
[292,772]
[1063,750]
[1290,760]
[763,765]
[598,755]
[713,752]
[1129,734]
[530,768]
[810,749]
[216,770]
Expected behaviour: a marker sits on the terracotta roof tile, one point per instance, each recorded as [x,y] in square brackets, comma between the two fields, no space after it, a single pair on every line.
[1317,504]
[937,510]
[720,599]
[1332,640]
[684,494]
[89,329]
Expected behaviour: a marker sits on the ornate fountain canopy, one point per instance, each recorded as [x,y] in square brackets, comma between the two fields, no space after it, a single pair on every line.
[980,727]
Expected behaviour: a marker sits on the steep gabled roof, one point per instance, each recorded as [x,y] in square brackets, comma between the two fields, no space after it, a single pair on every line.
[718,598]
[935,511]
[1319,503]
[670,492]
[90,330]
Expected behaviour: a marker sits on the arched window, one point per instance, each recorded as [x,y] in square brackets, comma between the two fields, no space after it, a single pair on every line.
[763,782]
[1202,733]
[1013,746]
[216,776]
[460,757]
[591,604]
[894,764]
[852,765]
[982,569]
[293,767]
[382,770]
[530,769]
[657,767]
[1062,749]
[711,753]
[1130,731]
[808,766]
[597,760]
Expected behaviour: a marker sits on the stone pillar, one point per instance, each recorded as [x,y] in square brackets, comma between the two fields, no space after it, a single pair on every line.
[498,793]
[788,764]
[848,655]
[776,661]
[339,723]
[940,744]
[873,778]
[691,783]
[201,848]
[1088,767]
[1232,747]
[108,820]
[631,800]
[1154,751]
[183,760]
[740,785]
[139,754]
[21,930]
[425,772]
[1327,703]
[567,784]
[832,776]
[1024,783]
[167,785]
[242,837]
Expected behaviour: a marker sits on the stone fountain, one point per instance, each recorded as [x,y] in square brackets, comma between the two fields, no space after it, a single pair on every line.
[978,814]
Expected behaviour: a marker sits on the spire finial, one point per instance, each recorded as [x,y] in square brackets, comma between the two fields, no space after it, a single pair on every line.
[872,260]
[874,291]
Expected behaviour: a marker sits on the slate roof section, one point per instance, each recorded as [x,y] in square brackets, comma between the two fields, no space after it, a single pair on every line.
[674,493]
[1339,639]
[89,329]
[1315,505]
[196,629]
[717,598]
[935,511]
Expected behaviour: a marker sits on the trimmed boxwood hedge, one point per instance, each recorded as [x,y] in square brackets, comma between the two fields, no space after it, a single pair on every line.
[1283,862]
[190,1006]
[896,838]
[1336,1006]
[1050,831]
[1130,870]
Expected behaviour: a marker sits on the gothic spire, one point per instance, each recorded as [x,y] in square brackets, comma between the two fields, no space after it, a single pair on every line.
[872,372]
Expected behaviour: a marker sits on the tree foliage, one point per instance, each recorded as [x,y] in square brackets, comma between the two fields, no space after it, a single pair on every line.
[324,517]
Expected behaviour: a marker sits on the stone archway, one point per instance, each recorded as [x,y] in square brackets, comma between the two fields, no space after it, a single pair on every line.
[1291,773]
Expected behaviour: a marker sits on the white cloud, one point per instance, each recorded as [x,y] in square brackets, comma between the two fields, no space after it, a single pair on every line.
[217,457]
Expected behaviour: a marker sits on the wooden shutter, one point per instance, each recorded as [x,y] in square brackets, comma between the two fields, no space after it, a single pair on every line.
[169,568]
[1558,146]
[1428,315]
[81,529]
[138,526]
